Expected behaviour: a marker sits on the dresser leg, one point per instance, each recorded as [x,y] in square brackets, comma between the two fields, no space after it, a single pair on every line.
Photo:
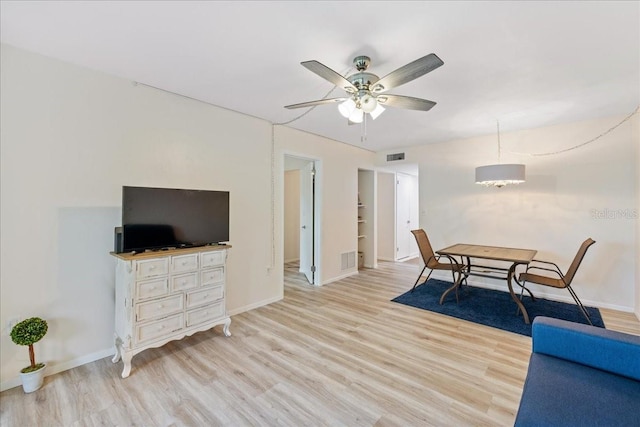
[225,328]
[126,359]
[116,345]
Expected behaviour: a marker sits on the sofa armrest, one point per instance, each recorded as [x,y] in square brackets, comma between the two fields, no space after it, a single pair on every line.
[599,348]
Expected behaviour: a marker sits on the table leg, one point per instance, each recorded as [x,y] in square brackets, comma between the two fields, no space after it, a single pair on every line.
[510,277]
[455,286]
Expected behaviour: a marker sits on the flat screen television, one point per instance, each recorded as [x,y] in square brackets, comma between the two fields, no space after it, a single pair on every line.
[160,218]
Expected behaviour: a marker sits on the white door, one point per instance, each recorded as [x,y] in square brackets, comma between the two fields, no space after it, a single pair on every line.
[307,184]
[404,225]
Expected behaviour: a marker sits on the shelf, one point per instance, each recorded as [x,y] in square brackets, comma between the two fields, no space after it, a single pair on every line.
[362,236]
[361,206]
[360,221]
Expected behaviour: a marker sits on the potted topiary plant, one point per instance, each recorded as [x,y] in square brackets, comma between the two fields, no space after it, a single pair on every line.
[29,332]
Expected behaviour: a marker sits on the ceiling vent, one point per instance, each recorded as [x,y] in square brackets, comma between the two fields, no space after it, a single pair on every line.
[394,157]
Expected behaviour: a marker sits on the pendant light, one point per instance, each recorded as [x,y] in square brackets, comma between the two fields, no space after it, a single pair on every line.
[500,174]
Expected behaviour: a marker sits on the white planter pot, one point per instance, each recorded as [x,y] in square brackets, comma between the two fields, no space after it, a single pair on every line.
[32,381]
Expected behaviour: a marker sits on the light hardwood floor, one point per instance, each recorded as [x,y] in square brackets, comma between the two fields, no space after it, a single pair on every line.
[337,355]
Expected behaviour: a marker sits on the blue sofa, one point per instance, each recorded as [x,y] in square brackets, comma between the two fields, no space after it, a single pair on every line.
[580,375]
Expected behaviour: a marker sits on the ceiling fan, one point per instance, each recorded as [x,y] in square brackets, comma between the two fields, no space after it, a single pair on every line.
[366,92]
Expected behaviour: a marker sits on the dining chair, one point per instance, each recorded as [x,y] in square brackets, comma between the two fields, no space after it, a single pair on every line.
[562,280]
[432,261]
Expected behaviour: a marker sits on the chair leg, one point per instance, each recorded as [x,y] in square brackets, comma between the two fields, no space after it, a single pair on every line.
[419,276]
[577,300]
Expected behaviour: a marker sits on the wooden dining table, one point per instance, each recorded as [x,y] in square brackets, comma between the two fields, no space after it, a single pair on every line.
[513,256]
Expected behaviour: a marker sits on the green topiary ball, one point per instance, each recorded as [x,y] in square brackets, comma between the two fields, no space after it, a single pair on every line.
[29,331]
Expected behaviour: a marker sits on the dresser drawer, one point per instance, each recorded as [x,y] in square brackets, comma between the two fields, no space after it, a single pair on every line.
[152,267]
[184,263]
[213,259]
[205,296]
[201,315]
[151,288]
[184,282]
[159,308]
[211,276]
[159,328]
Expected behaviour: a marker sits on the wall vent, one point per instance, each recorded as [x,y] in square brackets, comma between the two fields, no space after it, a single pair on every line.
[394,157]
[348,260]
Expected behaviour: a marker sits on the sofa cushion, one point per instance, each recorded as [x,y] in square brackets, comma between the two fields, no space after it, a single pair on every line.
[600,348]
[558,392]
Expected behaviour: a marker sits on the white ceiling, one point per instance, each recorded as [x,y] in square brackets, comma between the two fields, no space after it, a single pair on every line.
[528,64]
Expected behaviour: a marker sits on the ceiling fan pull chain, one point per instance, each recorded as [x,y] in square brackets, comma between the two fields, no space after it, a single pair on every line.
[363,135]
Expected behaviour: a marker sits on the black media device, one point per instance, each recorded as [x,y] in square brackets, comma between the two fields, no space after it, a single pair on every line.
[118,242]
[160,218]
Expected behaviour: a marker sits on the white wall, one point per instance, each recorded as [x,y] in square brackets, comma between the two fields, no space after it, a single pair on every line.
[291,215]
[337,190]
[70,139]
[386,219]
[554,211]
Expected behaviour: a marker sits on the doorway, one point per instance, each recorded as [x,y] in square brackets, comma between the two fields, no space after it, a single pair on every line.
[406,218]
[301,230]
[397,210]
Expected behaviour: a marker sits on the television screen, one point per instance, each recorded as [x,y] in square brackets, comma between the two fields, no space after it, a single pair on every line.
[155,218]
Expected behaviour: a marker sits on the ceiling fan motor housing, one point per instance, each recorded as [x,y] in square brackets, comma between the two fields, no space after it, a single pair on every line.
[362,80]
[361,62]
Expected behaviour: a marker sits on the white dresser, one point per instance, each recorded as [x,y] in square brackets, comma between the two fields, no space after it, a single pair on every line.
[165,296]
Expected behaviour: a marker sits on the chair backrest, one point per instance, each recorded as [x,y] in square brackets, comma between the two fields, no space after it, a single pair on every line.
[577,260]
[426,251]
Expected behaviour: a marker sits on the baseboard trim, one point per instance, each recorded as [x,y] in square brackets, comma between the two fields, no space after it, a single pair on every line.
[253,306]
[408,258]
[343,276]
[54,368]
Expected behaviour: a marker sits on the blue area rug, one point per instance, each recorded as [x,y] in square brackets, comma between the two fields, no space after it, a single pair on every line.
[492,308]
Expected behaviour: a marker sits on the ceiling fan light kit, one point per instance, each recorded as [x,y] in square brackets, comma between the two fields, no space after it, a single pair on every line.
[364,89]
[347,107]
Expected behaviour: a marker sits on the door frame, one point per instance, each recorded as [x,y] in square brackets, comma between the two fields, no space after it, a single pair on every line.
[317,211]
[414,206]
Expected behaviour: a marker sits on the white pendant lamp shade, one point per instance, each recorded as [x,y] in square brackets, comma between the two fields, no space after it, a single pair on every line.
[368,103]
[356,116]
[347,108]
[378,110]
[500,175]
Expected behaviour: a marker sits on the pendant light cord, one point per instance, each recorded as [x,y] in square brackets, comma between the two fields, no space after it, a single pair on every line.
[551,153]
[499,150]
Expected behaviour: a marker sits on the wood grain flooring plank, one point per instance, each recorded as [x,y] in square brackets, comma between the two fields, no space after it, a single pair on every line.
[342,354]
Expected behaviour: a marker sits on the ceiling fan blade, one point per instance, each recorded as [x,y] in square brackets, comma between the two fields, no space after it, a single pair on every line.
[329,75]
[409,102]
[409,72]
[314,103]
